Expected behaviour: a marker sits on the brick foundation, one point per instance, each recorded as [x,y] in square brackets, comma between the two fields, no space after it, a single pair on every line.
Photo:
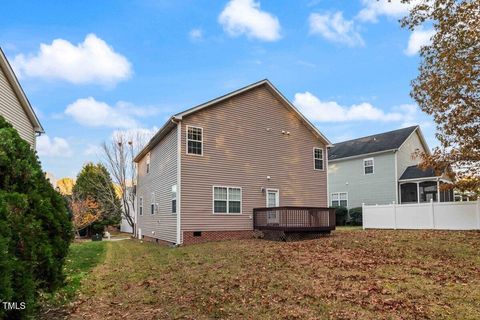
[207,236]
[155,240]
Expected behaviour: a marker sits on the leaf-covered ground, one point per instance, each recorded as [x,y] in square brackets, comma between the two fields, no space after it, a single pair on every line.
[350,274]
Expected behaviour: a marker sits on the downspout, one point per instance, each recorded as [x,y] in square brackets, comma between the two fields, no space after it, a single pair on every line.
[326,171]
[179,181]
[396,176]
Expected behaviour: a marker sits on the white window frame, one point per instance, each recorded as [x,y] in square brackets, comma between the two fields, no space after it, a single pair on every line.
[228,200]
[338,194]
[186,141]
[373,165]
[323,159]
[140,206]
[152,202]
[174,197]
[147,166]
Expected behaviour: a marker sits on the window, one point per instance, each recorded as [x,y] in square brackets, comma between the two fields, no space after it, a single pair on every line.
[148,162]
[140,206]
[339,199]
[368,166]
[318,158]
[152,204]
[194,140]
[174,198]
[227,200]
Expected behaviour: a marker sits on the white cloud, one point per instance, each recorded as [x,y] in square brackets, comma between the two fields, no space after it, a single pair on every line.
[245,17]
[56,147]
[372,9]
[93,113]
[93,150]
[335,28]
[418,39]
[331,111]
[196,34]
[92,61]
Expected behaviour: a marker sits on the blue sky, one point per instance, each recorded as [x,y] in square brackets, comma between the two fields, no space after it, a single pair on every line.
[92,67]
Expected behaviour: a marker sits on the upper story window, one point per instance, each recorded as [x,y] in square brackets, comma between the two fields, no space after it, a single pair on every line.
[148,162]
[174,198]
[318,158]
[368,166]
[227,200]
[152,204]
[194,140]
[140,206]
[339,199]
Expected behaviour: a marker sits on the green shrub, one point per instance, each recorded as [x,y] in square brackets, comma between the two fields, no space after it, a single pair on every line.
[355,216]
[35,230]
[341,214]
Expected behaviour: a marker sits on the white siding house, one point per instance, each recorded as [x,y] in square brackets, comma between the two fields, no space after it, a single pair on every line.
[382,169]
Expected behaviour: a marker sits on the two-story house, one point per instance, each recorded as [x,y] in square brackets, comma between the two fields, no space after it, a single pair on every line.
[207,168]
[381,169]
[14,105]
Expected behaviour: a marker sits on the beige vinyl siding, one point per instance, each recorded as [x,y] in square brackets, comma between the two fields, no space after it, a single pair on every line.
[13,112]
[404,157]
[243,144]
[160,179]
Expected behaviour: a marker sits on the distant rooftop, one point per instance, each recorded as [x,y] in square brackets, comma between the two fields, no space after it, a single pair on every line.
[375,143]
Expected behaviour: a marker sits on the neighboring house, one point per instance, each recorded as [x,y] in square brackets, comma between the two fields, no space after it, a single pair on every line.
[381,169]
[207,168]
[14,105]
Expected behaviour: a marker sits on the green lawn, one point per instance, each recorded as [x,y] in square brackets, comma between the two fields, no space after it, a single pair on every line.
[351,274]
[82,258]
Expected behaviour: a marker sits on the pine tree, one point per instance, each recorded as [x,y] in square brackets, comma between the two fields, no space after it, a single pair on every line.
[35,229]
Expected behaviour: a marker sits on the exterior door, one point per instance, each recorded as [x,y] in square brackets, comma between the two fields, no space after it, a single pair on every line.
[273,200]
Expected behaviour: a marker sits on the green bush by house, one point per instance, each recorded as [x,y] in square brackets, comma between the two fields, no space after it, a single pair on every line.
[355,216]
[341,215]
[35,229]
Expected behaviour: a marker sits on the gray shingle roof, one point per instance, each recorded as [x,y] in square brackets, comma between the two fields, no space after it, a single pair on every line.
[374,143]
[414,172]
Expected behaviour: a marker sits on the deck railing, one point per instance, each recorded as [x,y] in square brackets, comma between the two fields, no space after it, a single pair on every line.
[294,219]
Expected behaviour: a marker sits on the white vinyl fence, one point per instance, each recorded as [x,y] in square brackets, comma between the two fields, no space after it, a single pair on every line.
[433,215]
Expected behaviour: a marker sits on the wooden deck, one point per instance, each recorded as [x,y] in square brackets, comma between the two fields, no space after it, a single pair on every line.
[294,219]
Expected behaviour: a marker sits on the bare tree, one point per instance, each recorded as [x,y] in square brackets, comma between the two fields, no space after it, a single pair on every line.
[118,154]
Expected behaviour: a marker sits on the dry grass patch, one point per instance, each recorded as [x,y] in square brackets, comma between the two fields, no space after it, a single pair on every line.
[352,274]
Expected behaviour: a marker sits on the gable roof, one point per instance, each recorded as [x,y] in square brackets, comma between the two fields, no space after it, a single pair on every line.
[265,82]
[17,88]
[414,172]
[377,143]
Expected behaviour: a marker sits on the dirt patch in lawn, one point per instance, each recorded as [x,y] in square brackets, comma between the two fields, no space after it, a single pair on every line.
[352,274]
